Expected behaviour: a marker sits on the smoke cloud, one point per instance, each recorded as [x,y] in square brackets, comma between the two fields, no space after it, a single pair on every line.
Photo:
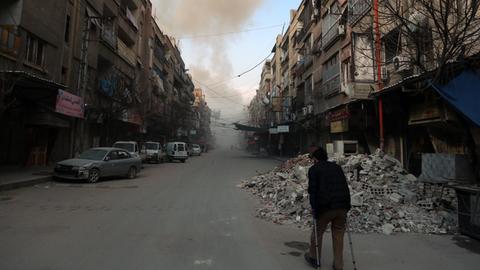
[211,64]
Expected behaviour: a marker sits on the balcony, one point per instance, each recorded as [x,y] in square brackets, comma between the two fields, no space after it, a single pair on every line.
[126,53]
[133,4]
[332,35]
[357,9]
[126,31]
[108,35]
[331,87]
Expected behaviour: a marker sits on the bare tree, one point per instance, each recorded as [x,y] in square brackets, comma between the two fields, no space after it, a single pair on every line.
[430,35]
[437,32]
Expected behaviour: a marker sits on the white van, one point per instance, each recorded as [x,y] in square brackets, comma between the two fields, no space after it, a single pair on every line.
[130,146]
[177,151]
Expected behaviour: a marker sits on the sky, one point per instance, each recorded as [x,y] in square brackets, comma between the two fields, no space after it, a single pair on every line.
[215,58]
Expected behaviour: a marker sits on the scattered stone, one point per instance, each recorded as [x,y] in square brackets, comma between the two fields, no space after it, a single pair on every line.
[387,228]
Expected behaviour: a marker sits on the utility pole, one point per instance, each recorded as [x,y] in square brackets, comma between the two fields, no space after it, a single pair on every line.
[83,79]
[378,60]
[82,84]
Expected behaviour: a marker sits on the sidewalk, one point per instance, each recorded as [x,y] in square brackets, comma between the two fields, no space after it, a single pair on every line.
[12,177]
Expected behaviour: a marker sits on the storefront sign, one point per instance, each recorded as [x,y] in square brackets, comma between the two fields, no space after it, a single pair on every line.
[132,117]
[425,113]
[69,104]
[283,129]
[339,126]
[273,131]
[338,115]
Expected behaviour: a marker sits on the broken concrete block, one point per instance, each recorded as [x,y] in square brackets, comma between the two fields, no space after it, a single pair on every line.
[395,197]
[387,228]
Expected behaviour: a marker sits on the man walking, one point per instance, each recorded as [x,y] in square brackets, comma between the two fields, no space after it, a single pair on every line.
[330,202]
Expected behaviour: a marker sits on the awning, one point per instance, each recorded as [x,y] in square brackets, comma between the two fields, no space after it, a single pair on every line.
[463,94]
[32,87]
[250,128]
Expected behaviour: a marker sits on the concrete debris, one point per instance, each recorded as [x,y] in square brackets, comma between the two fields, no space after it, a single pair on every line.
[385,198]
[388,228]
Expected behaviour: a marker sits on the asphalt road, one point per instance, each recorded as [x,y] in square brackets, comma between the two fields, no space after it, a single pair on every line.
[185,216]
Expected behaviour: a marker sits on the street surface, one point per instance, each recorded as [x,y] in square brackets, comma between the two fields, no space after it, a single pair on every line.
[186,216]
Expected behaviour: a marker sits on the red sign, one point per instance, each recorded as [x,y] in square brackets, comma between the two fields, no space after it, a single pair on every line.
[338,115]
[69,104]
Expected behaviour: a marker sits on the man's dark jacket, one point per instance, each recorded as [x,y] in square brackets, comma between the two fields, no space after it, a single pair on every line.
[327,187]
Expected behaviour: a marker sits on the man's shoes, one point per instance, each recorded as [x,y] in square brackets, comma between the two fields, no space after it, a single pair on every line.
[311,261]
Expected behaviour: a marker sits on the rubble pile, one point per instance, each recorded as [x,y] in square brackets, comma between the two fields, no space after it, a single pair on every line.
[385,198]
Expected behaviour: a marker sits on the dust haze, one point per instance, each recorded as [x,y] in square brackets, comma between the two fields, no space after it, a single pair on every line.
[211,65]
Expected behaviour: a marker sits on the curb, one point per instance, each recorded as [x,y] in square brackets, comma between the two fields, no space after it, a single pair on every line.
[25,183]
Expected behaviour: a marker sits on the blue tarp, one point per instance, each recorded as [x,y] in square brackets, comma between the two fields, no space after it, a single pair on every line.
[463,93]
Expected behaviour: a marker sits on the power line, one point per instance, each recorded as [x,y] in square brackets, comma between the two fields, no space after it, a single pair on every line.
[254,67]
[231,33]
[215,92]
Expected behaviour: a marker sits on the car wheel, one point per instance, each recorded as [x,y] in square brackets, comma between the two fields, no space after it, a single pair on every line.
[132,173]
[93,176]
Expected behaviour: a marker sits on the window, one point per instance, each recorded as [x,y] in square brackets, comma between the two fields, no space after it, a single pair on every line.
[113,155]
[9,41]
[392,45]
[35,51]
[67,29]
[331,68]
[64,75]
[123,155]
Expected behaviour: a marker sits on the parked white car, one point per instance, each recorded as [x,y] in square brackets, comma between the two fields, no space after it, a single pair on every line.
[196,150]
[130,146]
[154,152]
[177,151]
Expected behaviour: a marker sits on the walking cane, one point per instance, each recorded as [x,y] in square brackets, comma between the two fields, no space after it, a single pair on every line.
[316,242]
[351,246]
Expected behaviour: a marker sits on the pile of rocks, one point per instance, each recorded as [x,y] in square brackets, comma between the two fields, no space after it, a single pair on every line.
[385,198]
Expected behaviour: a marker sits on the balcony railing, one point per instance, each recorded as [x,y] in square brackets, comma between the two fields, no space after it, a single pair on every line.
[331,86]
[109,36]
[331,36]
[126,53]
[357,9]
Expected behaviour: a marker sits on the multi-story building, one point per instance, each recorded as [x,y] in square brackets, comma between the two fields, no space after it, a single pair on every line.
[104,71]
[345,73]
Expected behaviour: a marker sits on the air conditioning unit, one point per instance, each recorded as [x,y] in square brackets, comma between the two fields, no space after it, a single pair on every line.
[341,30]
[401,63]
[345,147]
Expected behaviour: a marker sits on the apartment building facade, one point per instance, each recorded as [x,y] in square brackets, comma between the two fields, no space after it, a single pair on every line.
[104,72]
[345,76]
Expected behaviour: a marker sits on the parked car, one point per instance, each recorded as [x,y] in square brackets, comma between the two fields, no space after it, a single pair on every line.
[130,146]
[99,162]
[196,150]
[154,152]
[177,151]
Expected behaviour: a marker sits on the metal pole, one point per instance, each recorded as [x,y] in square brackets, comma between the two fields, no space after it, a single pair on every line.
[378,61]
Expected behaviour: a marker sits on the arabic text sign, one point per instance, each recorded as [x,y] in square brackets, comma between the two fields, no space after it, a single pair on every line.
[69,104]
